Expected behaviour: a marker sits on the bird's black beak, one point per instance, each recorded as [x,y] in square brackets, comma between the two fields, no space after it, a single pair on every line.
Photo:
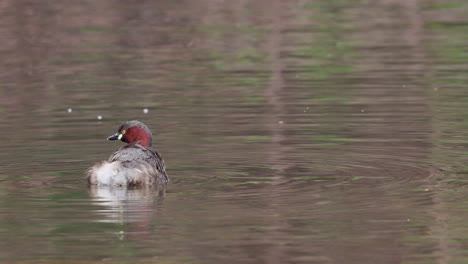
[114,137]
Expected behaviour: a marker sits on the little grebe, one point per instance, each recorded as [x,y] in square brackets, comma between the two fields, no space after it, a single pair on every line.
[135,164]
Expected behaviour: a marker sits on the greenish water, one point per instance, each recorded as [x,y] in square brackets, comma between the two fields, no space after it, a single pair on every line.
[293,131]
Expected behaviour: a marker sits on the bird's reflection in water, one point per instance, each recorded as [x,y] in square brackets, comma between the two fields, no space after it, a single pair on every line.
[135,209]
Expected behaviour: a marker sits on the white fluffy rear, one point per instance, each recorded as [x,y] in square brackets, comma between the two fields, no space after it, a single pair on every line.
[114,174]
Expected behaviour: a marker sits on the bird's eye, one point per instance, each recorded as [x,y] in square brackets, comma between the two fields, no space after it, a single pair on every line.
[123,131]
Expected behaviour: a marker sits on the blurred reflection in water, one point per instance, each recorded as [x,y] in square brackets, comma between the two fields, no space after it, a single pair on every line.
[124,205]
[133,209]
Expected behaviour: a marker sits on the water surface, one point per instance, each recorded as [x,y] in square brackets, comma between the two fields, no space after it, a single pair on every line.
[293,131]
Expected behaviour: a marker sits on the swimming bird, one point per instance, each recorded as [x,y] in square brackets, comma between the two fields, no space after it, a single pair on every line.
[135,164]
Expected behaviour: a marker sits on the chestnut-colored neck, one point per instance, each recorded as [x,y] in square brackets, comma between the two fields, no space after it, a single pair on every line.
[138,135]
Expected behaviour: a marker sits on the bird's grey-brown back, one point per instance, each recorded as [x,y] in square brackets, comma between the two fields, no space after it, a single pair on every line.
[135,156]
